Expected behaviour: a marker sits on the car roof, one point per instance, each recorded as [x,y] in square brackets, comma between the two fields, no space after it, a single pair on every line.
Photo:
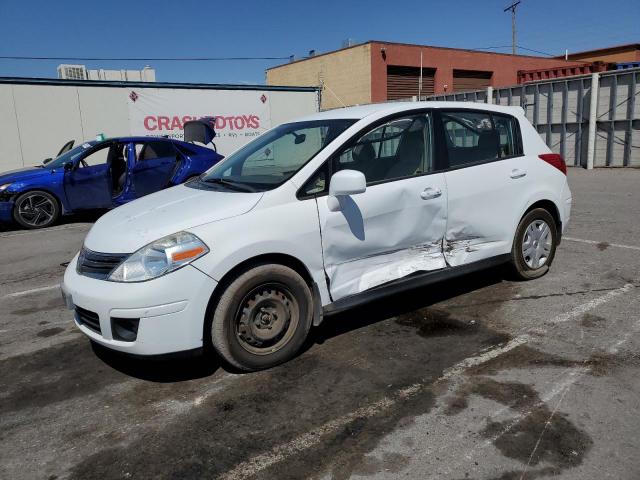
[359,112]
[200,149]
[139,139]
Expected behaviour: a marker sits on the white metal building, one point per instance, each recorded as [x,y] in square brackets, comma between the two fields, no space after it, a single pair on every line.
[37,116]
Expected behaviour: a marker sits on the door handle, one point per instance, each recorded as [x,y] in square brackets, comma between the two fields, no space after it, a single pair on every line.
[430,192]
[517,173]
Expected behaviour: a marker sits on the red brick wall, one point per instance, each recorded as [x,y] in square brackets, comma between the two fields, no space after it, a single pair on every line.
[444,60]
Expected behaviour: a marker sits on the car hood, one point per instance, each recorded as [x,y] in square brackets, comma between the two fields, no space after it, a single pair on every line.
[136,224]
[22,174]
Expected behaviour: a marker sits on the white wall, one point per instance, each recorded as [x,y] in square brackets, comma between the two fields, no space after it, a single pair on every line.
[10,154]
[36,120]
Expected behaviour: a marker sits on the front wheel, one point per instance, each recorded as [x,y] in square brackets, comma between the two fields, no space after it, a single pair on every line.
[262,318]
[534,245]
[36,209]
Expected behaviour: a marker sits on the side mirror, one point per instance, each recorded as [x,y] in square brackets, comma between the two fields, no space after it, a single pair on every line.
[68,166]
[344,183]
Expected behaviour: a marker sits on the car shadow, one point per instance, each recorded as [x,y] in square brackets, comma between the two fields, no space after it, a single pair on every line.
[162,369]
[403,303]
[199,364]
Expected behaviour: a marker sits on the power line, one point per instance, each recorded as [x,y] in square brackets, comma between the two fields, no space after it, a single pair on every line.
[535,51]
[519,46]
[140,59]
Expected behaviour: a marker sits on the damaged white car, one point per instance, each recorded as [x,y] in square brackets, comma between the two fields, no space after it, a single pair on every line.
[316,216]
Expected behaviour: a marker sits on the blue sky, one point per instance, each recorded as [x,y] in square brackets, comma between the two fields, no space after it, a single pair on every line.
[278,28]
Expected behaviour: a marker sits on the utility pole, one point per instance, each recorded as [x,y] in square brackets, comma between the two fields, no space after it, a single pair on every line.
[512,7]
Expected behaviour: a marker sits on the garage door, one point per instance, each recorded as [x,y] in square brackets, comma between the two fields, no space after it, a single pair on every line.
[403,82]
[470,80]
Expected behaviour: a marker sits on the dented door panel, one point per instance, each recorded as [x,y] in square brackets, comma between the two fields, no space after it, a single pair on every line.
[383,234]
[482,210]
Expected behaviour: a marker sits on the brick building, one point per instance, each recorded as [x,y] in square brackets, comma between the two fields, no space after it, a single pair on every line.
[379,71]
[616,54]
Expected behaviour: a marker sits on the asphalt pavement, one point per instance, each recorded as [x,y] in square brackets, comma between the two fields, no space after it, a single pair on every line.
[480,378]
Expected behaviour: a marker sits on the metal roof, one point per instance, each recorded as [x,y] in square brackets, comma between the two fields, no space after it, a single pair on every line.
[121,84]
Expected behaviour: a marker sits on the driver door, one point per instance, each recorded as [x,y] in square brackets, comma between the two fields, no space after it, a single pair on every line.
[88,183]
[395,228]
[155,164]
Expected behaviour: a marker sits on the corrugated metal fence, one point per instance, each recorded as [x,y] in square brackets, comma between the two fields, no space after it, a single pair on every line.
[560,111]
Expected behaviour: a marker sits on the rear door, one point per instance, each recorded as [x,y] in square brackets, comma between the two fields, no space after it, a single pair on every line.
[88,184]
[395,227]
[487,172]
[154,166]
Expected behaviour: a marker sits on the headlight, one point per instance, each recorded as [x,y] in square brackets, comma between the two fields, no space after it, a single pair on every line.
[4,187]
[160,257]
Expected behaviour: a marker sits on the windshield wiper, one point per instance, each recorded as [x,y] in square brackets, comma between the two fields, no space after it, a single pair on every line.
[239,186]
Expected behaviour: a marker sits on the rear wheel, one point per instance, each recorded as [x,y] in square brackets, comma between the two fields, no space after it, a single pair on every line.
[36,209]
[262,318]
[534,245]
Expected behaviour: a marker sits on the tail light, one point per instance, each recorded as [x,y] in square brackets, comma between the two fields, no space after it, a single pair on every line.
[556,160]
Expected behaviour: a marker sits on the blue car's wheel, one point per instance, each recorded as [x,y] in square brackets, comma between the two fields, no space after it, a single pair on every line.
[36,209]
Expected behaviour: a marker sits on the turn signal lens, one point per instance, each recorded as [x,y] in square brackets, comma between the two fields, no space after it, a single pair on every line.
[185,255]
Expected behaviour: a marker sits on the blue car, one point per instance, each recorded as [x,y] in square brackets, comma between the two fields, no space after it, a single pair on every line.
[103,174]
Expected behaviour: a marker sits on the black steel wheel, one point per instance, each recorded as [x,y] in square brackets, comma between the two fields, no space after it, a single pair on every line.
[262,318]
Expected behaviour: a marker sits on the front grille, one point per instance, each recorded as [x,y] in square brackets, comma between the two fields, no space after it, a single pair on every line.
[98,265]
[89,319]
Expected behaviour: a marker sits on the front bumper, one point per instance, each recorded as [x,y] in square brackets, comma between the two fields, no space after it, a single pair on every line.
[171,309]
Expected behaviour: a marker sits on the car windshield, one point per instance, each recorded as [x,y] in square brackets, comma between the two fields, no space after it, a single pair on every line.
[69,156]
[273,158]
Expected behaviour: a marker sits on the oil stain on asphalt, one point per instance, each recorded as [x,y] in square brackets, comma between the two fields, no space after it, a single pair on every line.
[563,445]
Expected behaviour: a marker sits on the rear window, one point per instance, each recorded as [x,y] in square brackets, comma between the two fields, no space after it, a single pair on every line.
[473,137]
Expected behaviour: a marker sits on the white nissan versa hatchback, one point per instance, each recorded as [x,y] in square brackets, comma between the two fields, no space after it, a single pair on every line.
[316,216]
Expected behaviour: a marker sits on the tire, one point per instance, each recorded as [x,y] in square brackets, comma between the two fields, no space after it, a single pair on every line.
[262,318]
[534,261]
[36,209]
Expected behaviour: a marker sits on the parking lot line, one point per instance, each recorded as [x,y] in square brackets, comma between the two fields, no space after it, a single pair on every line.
[307,440]
[39,232]
[29,292]
[604,244]
[590,305]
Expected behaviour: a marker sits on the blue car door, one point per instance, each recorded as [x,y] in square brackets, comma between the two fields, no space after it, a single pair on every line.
[155,163]
[88,184]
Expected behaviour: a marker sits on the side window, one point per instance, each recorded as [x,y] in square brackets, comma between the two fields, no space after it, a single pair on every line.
[470,137]
[507,134]
[397,149]
[317,183]
[154,149]
[99,157]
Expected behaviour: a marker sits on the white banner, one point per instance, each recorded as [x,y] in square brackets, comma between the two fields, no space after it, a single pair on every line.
[240,114]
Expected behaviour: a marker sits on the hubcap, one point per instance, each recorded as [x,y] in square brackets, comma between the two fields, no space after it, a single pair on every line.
[266,319]
[536,244]
[36,210]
